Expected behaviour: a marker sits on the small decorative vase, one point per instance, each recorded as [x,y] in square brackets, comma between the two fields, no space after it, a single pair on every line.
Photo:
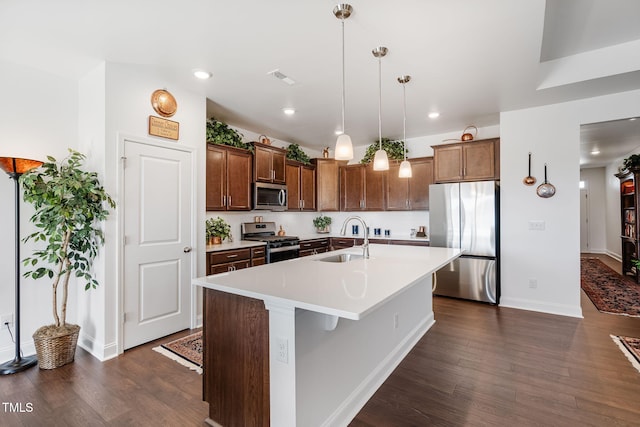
[324,230]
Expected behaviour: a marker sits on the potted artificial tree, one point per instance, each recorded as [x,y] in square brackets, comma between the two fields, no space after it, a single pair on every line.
[217,230]
[69,206]
[322,223]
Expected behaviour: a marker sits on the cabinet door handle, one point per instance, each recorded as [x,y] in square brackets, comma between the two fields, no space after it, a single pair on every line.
[229,200]
[224,200]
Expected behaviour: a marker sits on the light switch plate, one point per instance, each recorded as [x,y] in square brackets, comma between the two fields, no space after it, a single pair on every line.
[537,225]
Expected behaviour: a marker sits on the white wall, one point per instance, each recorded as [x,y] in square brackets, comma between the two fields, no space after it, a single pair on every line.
[128,90]
[613,223]
[39,118]
[594,180]
[552,134]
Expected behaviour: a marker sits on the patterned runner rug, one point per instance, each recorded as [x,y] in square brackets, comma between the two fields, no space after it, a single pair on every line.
[186,350]
[609,291]
[631,348]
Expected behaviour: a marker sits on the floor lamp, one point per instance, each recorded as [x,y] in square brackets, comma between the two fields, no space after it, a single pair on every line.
[16,167]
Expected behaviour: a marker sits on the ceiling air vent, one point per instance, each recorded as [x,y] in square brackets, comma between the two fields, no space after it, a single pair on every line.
[278,75]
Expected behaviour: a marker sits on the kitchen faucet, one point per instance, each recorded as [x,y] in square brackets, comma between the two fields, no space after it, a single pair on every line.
[365,245]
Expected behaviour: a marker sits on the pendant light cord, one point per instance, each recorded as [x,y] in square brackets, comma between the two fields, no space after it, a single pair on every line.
[380,101]
[404,121]
[343,79]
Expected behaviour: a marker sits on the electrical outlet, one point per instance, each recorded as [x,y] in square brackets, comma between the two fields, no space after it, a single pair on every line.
[282,350]
[6,318]
[533,283]
[396,321]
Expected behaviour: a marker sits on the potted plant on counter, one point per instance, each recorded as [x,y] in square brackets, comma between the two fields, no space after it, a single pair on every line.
[69,206]
[217,230]
[322,223]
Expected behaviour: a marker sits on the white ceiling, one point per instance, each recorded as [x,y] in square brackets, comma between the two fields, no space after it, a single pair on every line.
[468,59]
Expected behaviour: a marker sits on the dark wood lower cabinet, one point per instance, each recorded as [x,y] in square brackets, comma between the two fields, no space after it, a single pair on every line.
[236,359]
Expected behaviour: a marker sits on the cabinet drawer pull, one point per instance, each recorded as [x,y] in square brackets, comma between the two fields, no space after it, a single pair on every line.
[232,256]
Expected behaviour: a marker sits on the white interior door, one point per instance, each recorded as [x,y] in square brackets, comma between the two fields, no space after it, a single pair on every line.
[157,242]
[584,221]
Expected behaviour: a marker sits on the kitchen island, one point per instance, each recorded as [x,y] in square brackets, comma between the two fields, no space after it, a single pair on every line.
[306,342]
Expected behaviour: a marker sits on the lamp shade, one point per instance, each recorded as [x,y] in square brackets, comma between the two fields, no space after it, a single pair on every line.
[344,148]
[380,161]
[405,169]
[16,166]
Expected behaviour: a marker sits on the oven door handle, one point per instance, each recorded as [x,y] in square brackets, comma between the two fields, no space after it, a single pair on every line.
[284,249]
[282,197]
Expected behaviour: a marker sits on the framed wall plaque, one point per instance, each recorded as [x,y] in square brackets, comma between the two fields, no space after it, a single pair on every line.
[164,128]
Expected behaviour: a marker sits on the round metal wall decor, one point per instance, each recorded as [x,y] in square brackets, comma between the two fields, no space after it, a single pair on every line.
[546,189]
[164,103]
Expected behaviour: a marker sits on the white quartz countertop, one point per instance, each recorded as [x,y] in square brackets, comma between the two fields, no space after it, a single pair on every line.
[349,290]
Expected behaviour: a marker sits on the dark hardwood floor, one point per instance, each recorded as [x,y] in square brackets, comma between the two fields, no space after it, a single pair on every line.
[478,365]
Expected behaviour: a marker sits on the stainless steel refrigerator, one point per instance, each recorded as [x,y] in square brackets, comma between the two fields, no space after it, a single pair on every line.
[465,215]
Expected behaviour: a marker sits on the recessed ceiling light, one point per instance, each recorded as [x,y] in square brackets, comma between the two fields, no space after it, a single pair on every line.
[434,115]
[595,151]
[289,111]
[632,119]
[201,74]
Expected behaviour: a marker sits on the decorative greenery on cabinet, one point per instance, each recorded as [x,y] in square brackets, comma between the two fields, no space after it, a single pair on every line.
[294,152]
[220,133]
[394,149]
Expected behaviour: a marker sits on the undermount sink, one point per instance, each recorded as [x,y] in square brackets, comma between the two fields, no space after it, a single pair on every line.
[341,258]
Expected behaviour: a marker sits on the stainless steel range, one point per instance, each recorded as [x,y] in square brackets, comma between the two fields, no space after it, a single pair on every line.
[279,248]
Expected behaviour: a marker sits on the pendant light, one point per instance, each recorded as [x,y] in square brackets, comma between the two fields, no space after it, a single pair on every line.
[380,159]
[344,147]
[405,166]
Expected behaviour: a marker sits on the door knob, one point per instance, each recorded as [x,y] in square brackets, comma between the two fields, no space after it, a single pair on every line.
[187,249]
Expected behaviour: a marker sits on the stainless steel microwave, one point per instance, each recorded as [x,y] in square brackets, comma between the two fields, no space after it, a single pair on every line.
[270,196]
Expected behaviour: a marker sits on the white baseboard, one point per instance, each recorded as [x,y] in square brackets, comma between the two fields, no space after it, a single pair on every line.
[614,255]
[98,350]
[542,307]
[8,353]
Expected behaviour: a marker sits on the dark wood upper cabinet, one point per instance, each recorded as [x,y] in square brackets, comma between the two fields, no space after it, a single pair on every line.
[467,161]
[328,183]
[361,188]
[269,164]
[301,186]
[409,193]
[228,178]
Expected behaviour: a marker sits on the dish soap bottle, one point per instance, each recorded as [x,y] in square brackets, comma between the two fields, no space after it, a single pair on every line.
[281,232]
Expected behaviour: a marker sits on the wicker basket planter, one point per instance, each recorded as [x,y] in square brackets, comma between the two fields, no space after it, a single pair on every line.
[56,347]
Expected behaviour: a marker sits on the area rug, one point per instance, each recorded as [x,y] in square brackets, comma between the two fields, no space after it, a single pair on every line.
[186,350]
[609,291]
[630,347]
